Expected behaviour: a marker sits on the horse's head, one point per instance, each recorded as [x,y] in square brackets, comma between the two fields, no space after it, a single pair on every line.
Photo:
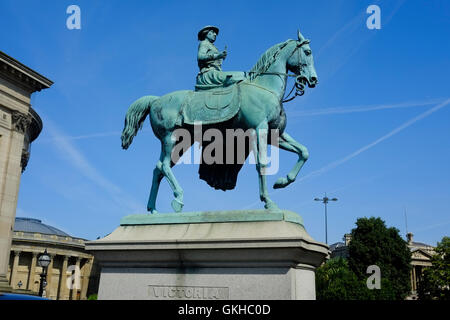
[302,64]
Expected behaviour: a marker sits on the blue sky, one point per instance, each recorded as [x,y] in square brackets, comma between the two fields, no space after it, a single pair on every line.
[376,126]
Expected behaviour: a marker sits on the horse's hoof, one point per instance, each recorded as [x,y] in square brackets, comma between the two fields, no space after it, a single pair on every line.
[270,205]
[151,210]
[177,205]
[281,183]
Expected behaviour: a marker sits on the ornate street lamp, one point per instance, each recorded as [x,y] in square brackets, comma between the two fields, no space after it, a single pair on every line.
[325,201]
[43,261]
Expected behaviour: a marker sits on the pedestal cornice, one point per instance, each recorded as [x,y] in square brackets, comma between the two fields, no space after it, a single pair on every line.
[260,238]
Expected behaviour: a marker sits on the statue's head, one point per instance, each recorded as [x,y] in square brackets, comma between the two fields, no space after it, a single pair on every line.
[205,32]
[301,62]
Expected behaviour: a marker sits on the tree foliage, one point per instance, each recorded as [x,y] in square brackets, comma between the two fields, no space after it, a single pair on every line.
[372,243]
[335,281]
[435,283]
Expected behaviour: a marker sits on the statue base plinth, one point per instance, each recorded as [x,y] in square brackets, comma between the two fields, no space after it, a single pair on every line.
[251,254]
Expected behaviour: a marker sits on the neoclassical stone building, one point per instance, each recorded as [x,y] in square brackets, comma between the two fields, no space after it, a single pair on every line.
[70,269]
[19,126]
[421,254]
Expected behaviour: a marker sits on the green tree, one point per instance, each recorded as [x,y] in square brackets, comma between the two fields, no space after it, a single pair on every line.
[92,297]
[335,281]
[372,243]
[435,283]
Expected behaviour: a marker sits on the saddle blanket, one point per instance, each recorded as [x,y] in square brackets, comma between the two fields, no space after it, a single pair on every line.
[212,106]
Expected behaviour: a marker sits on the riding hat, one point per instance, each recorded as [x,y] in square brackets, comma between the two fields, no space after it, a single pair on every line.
[201,33]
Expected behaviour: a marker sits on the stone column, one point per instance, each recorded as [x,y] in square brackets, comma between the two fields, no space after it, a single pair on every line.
[411,279]
[77,288]
[85,273]
[63,290]
[32,273]
[10,166]
[14,269]
[48,289]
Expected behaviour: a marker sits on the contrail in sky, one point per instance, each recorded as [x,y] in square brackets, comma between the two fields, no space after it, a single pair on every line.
[374,143]
[348,30]
[336,163]
[79,161]
[432,226]
[88,136]
[341,110]
[318,112]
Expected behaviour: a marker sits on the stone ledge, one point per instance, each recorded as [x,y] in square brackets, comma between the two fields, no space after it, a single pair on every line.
[212,217]
[233,239]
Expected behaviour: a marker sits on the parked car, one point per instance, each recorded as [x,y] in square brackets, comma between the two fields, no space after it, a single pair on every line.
[16,296]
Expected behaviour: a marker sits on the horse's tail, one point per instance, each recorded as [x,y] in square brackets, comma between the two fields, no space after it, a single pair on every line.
[136,115]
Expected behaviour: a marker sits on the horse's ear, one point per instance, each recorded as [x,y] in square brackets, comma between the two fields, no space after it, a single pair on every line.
[300,36]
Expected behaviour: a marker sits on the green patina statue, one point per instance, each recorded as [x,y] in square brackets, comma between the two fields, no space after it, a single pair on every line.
[250,101]
[210,62]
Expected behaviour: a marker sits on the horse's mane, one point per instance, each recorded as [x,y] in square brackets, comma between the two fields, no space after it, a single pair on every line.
[267,59]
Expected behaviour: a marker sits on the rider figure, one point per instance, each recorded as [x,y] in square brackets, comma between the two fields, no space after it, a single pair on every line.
[210,62]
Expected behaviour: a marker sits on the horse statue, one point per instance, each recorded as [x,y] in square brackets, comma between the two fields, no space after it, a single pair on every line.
[255,103]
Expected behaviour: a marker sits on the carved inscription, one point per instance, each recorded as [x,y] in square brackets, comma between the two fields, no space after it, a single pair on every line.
[182,292]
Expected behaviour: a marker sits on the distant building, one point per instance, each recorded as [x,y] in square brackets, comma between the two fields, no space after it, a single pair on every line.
[71,273]
[340,249]
[421,254]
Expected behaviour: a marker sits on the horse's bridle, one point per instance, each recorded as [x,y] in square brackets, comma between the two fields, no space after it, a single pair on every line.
[299,84]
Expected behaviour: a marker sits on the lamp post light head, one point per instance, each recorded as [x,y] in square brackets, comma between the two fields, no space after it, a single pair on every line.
[44,260]
[325,201]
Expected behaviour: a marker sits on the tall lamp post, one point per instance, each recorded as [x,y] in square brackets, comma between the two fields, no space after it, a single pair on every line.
[43,261]
[325,200]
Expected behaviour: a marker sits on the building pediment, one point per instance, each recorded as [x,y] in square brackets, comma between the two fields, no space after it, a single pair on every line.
[419,254]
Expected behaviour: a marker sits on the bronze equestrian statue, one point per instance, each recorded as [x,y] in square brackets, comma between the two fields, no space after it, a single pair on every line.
[227,100]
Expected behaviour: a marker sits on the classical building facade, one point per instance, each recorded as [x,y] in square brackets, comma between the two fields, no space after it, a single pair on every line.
[70,274]
[421,254]
[19,126]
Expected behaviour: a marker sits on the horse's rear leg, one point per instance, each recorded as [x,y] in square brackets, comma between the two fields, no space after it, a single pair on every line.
[166,161]
[157,177]
[286,142]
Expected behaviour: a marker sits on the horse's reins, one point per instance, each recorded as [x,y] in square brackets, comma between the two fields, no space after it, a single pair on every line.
[298,85]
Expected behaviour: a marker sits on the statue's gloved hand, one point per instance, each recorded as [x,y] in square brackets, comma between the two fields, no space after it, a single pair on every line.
[222,55]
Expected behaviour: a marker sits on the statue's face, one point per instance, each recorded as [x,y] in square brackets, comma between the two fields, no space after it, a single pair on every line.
[211,35]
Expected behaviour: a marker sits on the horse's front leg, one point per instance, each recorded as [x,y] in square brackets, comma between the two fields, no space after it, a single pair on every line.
[260,149]
[286,142]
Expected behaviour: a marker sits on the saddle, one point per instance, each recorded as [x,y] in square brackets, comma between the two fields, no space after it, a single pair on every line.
[212,106]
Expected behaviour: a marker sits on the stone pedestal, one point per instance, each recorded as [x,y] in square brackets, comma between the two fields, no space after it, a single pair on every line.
[251,254]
